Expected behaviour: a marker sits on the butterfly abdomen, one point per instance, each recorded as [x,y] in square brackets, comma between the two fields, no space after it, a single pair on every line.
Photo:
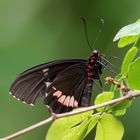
[94,69]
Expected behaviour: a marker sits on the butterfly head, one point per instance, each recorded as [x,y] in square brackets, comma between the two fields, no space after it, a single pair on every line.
[95,53]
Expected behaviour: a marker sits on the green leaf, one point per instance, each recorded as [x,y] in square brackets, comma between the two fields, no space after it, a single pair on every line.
[117,92]
[120,108]
[103,97]
[123,105]
[127,40]
[129,30]
[119,112]
[93,122]
[82,130]
[134,75]
[77,132]
[128,34]
[130,55]
[137,44]
[109,128]
[61,127]
[138,20]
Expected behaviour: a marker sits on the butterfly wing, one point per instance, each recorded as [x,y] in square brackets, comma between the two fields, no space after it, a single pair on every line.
[70,89]
[31,85]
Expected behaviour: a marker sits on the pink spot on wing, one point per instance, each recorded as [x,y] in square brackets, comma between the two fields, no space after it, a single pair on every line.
[58,93]
[75,103]
[67,100]
[71,102]
[54,88]
[62,99]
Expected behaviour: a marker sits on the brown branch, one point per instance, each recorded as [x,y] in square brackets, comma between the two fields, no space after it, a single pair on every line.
[129,95]
[117,83]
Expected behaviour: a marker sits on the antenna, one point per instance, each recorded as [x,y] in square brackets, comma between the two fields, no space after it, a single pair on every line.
[86,34]
[102,23]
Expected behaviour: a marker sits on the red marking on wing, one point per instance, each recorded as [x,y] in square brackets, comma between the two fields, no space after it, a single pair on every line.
[90,73]
[89,78]
[62,99]
[92,57]
[58,93]
[90,67]
[92,60]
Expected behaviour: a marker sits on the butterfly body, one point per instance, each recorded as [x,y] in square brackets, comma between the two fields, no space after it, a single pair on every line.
[64,84]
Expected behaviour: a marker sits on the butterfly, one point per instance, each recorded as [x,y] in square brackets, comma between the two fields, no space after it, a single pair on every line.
[64,84]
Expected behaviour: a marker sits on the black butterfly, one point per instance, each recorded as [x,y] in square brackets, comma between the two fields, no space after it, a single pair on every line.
[64,84]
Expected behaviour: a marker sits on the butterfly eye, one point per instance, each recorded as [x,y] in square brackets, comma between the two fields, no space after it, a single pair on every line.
[95,52]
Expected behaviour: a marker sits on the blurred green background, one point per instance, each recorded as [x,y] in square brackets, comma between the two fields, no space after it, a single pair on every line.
[38,31]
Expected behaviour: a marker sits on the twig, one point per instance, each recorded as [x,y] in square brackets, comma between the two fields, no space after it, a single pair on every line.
[117,83]
[130,95]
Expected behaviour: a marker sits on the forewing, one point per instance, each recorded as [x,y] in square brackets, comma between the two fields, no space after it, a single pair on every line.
[31,85]
[66,90]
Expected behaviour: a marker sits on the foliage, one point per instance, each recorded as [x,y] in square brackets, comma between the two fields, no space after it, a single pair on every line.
[105,120]
[109,128]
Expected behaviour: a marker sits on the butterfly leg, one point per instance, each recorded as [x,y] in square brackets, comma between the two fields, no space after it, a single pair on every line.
[101,85]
